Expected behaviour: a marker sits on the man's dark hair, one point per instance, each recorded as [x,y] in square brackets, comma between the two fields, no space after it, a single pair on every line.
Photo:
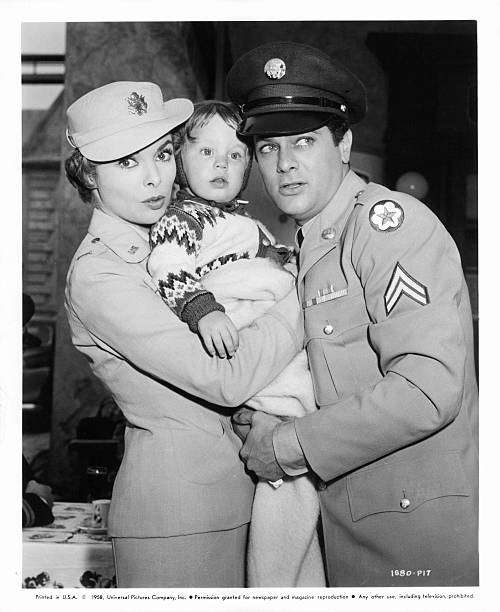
[338,127]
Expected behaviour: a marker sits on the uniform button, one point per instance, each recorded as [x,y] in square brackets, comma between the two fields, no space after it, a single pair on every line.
[266,243]
[322,485]
[328,329]
[94,240]
[404,503]
[328,233]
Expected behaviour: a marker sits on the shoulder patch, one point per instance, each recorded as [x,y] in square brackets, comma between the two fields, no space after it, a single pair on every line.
[386,216]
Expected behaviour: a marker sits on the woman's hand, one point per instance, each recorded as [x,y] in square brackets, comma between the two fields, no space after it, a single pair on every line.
[219,334]
[242,421]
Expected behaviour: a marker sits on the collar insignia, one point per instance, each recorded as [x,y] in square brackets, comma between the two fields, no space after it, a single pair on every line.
[275,68]
[329,233]
[137,105]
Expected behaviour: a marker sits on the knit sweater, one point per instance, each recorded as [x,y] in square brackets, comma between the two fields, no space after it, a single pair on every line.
[193,238]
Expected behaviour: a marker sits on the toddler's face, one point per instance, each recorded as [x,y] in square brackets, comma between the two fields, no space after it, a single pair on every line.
[215,161]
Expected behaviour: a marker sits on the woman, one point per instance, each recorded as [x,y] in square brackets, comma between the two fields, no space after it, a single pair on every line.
[182,500]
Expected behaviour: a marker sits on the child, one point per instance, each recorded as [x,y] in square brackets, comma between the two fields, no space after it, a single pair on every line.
[206,226]
[205,251]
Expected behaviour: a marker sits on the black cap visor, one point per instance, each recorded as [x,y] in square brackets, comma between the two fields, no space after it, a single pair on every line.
[284,123]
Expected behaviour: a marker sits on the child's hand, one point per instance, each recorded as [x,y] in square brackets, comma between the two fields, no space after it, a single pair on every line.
[219,334]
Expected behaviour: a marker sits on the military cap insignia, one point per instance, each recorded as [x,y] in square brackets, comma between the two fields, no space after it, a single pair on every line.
[275,68]
[402,283]
[386,216]
[137,105]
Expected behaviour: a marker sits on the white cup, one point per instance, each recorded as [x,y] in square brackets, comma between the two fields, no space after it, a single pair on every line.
[100,513]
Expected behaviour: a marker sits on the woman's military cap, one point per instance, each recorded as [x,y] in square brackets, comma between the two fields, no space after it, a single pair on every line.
[121,118]
[289,88]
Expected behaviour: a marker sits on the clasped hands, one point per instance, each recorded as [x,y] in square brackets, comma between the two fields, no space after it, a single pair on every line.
[256,430]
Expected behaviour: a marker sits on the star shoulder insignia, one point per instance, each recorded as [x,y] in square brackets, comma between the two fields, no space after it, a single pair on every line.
[386,216]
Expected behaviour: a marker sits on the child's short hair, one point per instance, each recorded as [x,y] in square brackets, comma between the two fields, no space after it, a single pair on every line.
[203,112]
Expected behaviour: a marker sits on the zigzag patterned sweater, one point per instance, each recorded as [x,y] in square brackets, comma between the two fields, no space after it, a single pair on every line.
[193,238]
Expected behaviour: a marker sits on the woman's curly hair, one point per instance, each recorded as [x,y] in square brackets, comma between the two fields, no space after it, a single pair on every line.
[80,171]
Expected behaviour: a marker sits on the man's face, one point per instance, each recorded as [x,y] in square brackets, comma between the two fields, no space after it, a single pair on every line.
[301,173]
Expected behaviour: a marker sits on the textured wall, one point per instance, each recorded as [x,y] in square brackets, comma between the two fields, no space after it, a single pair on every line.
[99,53]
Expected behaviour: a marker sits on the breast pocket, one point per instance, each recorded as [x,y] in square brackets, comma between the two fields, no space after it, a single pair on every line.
[341,359]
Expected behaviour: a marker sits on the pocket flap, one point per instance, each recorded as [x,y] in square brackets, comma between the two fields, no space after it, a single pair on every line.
[342,314]
[404,486]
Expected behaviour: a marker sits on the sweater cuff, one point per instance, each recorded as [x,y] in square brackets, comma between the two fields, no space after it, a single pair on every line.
[198,307]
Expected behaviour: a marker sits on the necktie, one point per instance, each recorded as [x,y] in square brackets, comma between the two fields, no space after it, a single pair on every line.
[300,237]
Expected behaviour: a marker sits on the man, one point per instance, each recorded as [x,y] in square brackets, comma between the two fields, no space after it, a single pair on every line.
[388,335]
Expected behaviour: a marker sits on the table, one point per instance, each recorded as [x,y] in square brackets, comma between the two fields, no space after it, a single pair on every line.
[60,555]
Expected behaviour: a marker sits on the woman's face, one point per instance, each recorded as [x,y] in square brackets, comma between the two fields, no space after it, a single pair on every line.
[137,188]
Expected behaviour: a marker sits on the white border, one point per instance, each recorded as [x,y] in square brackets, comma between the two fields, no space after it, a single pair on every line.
[13,13]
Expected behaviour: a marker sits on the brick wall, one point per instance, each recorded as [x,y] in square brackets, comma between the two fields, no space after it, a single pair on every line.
[39,237]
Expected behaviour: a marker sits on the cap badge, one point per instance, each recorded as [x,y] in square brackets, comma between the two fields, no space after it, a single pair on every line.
[275,68]
[137,105]
[386,215]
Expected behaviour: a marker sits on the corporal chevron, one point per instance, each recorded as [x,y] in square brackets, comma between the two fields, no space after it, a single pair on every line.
[402,283]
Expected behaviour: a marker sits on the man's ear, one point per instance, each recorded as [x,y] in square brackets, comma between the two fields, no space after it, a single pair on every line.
[345,147]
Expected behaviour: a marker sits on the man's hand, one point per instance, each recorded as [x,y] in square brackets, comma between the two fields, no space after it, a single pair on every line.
[219,334]
[258,451]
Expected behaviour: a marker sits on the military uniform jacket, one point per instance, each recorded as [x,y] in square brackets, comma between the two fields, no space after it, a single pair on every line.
[389,339]
[181,472]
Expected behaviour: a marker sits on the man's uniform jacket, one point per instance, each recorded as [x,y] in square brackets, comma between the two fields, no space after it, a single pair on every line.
[181,473]
[389,339]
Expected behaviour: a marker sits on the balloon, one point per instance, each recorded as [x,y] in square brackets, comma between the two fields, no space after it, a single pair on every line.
[413,183]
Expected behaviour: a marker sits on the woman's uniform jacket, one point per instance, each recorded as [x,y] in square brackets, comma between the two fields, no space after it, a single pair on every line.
[181,472]
[389,339]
